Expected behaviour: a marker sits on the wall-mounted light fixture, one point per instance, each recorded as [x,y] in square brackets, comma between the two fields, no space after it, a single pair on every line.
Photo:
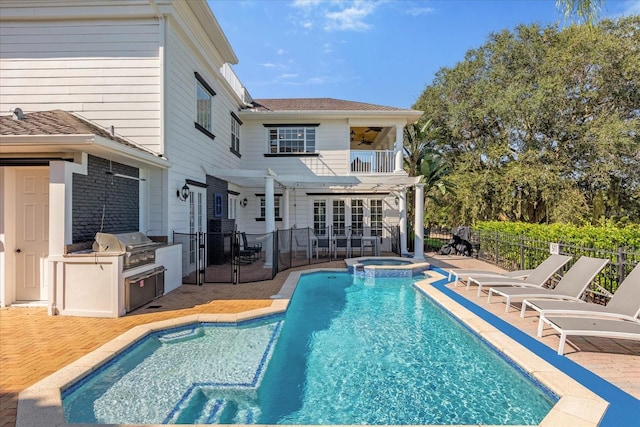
[243,202]
[183,193]
[397,200]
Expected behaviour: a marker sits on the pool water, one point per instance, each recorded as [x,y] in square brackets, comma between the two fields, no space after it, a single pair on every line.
[351,350]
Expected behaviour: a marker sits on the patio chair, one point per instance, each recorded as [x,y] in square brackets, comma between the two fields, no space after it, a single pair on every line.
[592,327]
[574,282]
[302,244]
[537,278]
[322,245]
[255,248]
[464,274]
[341,244]
[623,304]
[356,243]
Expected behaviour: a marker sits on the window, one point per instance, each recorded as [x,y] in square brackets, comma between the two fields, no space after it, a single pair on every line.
[320,217]
[376,217]
[276,207]
[235,134]
[232,206]
[339,217]
[204,110]
[357,216]
[292,140]
[217,205]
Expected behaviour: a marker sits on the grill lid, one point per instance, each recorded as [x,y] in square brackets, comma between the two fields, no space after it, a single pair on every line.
[123,242]
[108,243]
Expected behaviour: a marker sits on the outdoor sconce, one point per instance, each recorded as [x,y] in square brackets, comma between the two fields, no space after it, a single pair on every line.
[243,202]
[397,200]
[183,193]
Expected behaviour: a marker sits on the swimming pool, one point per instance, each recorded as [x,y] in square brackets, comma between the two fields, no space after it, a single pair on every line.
[371,351]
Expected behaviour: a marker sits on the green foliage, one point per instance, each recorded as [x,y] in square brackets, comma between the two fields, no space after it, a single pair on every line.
[606,236]
[541,125]
[586,11]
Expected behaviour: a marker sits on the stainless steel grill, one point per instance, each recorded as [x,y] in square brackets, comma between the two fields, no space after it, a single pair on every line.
[137,248]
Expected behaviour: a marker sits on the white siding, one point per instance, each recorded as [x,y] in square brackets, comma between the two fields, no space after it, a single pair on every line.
[331,144]
[106,71]
[192,153]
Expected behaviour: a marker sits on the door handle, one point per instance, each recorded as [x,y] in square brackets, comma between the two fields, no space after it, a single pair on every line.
[18,250]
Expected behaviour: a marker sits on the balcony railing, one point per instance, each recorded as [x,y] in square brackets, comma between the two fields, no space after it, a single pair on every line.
[229,75]
[372,162]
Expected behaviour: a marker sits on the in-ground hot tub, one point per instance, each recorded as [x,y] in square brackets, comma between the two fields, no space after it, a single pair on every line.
[386,266]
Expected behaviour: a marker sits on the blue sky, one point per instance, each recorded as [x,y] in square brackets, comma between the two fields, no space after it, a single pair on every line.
[381,52]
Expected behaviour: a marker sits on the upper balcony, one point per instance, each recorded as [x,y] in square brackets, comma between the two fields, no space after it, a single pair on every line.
[372,161]
[372,150]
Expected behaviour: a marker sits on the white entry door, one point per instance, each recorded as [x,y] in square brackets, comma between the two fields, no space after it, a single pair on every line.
[32,233]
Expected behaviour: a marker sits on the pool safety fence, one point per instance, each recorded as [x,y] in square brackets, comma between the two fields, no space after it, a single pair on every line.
[241,257]
[518,252]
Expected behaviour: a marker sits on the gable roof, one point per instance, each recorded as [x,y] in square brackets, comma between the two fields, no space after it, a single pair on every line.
[318,104]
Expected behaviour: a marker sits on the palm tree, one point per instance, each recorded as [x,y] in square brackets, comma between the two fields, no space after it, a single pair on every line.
[418,143]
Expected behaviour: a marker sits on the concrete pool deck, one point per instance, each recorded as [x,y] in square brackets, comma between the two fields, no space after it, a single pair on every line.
[34,345]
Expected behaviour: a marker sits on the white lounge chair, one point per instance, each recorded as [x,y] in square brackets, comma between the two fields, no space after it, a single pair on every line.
[570,287]
[592,327]
[459,274]
[625,303]
[536,279]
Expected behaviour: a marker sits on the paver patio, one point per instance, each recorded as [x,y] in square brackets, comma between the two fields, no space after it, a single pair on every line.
[33,345]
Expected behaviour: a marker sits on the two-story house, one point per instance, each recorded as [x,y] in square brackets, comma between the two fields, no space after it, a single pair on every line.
[126,116]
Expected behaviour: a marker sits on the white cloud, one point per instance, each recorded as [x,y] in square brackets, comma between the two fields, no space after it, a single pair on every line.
[269,65]
[327,48]
[419,11]
[280,51]
[338,15]
[351,18]
[288,76]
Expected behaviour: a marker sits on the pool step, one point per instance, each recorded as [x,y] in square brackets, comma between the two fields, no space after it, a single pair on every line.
[201,409]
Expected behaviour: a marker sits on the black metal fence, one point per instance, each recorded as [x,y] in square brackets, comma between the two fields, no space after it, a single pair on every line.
[239,257]
[517,252]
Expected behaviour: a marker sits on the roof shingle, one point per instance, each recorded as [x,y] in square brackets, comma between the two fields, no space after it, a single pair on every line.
[317,104]
[56,122]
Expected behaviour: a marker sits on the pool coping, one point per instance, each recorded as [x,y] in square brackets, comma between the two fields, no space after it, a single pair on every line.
[41,404]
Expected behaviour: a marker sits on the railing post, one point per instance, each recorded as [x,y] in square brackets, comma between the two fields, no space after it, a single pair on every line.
[521,252]
[497,248]
[621,263]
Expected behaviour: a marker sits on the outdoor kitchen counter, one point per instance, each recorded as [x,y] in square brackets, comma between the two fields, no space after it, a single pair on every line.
[92,284]
[86,283]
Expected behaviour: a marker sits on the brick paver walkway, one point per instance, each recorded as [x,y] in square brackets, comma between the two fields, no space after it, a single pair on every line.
[33,345]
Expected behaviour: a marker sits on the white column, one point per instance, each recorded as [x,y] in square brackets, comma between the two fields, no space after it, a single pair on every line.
[418,227]
[269,217]
[284,207]
[398,149]
[403,221]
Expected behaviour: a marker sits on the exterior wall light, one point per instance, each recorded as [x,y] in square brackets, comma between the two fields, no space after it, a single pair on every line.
[243,202]
[183,193]
[397,200]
